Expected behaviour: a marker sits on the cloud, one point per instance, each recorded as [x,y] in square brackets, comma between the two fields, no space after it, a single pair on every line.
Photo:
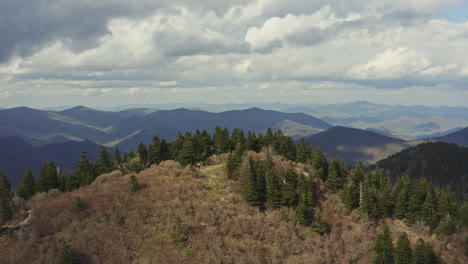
[158,49]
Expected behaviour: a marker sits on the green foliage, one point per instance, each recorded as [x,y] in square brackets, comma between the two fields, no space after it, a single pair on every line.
[320,164]
[133,183]
[178,235]
[233,162]
[403,251]
[304,152]
[48,178]
[142,152]
[6,199]
[104,164]
[27,186]
[154,151]
[424,253]
[67,254]
[85,170]
[303,215]
[319,226]
[336,174]
[221,140]
[288,190]
[383,247]
[251,187]
[78,205]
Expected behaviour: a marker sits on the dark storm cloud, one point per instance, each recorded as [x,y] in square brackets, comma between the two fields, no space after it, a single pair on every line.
[28,25]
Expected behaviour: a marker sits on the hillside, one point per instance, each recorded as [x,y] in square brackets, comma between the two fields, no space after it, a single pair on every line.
[443,164]
[182,215]
[353,144]
[17,155]
[459,137]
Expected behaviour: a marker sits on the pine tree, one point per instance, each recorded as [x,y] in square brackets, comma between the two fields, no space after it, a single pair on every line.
[6,199]
[385,199]
[27,186]
[252,142]
[67,255]
[133,183]
[165,150]
[334,179]
[288,190]
[142,152]
[48,178]
[187,153]
[401,204]
[383,247]
[104,164]
[154,151]
[303,215]
[424,253]
[85,169]
[221,140]
[352,193]
[250,187]
[303,152]
[320,165]
[233,162]
[403,251]
[319,225]
[117,158]
[273,188]
[237,139]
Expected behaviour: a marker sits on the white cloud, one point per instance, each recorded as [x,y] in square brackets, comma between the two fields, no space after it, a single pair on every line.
[392,63]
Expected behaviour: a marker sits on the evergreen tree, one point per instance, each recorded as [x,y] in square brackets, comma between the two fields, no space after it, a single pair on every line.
[154,151]
[117,158]
[288,190]
[303,152]
[142,152]
[233,162]
[401,205]
[85,169]
[403,251]
[165,150]
[424,253]
[319,225]
[133,183]
[221,140]
[252,142]
[334,179]
[238,139]
[187,153]
[6,199]
[303,215]
[67,255]
[320,165]
[104,164]
[383,247]
[386,199]
[273,188]
[27,186]
[417,198]
[48,178]
[250,187]
[352,193]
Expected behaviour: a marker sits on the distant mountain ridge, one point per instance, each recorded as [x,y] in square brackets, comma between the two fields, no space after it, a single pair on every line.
[16,155]
[353,145]
[125,128]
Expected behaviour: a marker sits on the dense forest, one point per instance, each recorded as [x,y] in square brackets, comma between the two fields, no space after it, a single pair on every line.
[294,182]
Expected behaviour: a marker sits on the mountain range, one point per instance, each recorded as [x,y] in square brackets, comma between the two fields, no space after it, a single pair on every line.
[16,155]
[126,128]
[30,137]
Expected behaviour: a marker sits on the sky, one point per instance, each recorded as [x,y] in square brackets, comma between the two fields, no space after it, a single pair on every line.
[117,52]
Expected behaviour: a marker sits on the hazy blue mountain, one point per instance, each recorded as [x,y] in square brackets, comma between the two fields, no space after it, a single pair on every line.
[443,164]
[353,145]
[16,155]
[459,137]
[44,127]
[93,117]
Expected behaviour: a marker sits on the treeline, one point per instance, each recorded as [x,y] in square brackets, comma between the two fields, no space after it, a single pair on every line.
[187,149]
[386,253]
[415,201]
